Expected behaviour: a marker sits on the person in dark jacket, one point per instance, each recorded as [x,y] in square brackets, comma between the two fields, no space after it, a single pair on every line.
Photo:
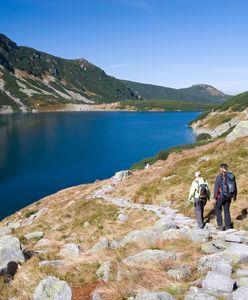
[225,190]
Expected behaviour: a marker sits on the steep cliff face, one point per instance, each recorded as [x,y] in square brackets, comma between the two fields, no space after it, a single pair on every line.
[131,234]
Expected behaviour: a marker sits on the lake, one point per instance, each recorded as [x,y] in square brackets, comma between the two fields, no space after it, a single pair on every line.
[43,153]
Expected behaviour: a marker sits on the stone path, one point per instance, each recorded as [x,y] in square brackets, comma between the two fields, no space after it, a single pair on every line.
[223,249]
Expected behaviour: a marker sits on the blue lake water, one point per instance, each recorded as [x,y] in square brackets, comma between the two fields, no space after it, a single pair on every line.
[43,153]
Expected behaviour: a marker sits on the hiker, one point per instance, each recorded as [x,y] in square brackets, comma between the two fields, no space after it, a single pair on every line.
[225,190]
[199,194]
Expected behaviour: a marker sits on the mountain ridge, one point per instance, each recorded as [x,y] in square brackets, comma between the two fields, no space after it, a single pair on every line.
[32,80]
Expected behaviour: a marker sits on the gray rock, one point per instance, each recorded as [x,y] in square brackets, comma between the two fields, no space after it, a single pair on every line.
[52,288]
[101,245]
[179,273]
[5,231]
[121,175]
[232,237]
[214,246]
[240,130]
[238,252]
[241,293]
[10,250]
[172,234]
[43,243]
[115,244]
[151,256]
[164,224]
[152,296]
[51,263]
[146,236]
[208,262]
[34,235]
[197,235]
[104,271]
[122,218]
[196,293]
[14,225]
[70,250]
[218,282]
[223,268]
[96,296]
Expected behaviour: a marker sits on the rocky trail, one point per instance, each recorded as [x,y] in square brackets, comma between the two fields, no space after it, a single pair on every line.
[222,270]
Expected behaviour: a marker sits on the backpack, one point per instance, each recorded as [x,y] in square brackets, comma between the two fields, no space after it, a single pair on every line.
[203,190]
[228,185]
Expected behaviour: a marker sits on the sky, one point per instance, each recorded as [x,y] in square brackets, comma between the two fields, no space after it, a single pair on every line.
[174,43]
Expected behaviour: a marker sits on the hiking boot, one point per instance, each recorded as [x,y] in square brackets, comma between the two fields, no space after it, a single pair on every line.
[220,228]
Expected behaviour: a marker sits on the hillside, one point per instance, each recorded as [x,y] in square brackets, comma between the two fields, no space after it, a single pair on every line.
[31,80]
[223,118]
[198,93]
[132,234]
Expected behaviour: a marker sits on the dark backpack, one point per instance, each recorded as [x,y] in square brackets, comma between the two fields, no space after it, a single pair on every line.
[228,185]
[203,191]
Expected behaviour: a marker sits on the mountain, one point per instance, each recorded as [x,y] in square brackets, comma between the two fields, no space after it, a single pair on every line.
[200,93]
[32,80]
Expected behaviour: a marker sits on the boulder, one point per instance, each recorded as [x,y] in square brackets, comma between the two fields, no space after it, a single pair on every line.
[238,252]
[179,273]
[96,296]
[70,250]
[241,293]
[152,296]
[52,288]
[103,272]
[34,235]
[10,251]
[164,224]
[222,268]
[172,234]
[122,218]
[241,130]
[214,246]
[218,283]
[14,225]
[5,231]
[51,263]
[209,261]
[196,293]
[150,256]
[103,243]
[146,236]
[119,176]
[197,235]
[43,243]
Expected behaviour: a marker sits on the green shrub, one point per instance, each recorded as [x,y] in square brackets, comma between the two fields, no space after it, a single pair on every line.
[203,136]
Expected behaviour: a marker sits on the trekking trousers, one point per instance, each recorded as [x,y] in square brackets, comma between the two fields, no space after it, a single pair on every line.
[225,203]
[199,211]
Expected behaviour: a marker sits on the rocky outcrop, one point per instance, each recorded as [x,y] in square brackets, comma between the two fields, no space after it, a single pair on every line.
[70,250]
[10,251]
[52,288]
[241,130]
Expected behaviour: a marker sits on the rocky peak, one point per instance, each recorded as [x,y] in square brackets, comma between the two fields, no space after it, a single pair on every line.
[6,44]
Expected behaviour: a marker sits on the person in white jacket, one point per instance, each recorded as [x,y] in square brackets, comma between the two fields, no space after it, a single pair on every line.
[199,194]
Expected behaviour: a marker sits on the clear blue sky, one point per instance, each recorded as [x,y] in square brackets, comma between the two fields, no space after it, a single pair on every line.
[173,43]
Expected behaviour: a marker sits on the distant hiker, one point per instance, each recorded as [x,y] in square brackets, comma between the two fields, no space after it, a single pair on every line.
[199,194]
[225,190]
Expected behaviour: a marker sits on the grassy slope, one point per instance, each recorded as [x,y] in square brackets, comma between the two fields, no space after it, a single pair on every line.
[198,93]
[169,179]
[146,105]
